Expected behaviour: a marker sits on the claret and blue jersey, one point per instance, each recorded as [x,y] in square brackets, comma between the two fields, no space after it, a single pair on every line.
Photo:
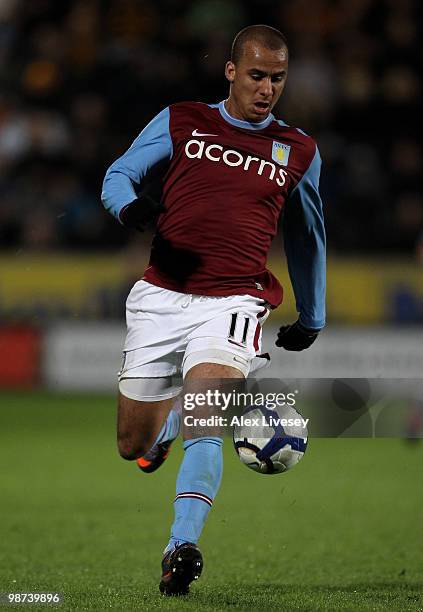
[225,183]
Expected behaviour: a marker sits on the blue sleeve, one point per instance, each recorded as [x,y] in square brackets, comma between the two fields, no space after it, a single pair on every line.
[305,246]
[151,147]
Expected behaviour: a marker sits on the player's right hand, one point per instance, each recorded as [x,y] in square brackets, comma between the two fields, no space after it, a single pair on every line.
[296,337]
[139,213]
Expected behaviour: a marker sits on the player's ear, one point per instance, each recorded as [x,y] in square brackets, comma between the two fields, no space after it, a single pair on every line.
[230,71]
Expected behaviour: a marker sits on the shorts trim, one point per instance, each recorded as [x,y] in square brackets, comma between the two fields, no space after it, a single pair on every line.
[137,388]
[219,357]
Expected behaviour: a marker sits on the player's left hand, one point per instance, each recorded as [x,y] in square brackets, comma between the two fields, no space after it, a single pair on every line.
[296,337]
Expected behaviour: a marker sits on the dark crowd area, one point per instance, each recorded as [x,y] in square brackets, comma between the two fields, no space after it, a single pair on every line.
[80,79]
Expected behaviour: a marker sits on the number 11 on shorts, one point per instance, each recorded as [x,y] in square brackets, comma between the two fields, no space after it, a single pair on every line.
[238,330]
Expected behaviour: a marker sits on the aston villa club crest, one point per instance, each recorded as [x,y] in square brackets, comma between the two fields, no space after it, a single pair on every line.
[280,153]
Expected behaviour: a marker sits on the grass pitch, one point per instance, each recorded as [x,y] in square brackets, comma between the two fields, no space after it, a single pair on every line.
[342,531]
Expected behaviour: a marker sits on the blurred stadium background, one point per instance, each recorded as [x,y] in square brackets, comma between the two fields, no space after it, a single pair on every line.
[79,80]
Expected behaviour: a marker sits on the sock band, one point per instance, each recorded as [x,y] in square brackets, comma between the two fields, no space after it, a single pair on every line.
[194,495]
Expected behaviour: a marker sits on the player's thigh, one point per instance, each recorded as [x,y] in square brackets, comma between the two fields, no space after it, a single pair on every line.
[138,424]
[203,420]
[212,370]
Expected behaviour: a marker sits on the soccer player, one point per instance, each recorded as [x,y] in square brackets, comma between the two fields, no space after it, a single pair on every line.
[227,172]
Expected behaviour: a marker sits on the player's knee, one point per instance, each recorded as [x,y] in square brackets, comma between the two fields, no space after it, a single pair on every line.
[131,449]
[126,450]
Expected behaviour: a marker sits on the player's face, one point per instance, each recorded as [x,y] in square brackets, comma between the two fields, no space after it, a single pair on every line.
[257,81]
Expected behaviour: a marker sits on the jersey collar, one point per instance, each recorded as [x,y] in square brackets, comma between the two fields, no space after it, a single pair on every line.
[243,124]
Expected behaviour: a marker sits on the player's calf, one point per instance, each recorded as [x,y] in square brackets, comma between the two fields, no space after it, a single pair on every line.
[138,425]
[158,453]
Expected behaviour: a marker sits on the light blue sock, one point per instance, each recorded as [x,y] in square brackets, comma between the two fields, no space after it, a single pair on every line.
[170,428]
[196,487]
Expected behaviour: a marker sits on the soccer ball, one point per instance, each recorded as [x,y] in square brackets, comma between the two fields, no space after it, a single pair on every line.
[270,441]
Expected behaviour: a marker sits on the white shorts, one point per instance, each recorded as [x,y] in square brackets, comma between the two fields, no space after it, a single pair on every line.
[170,332]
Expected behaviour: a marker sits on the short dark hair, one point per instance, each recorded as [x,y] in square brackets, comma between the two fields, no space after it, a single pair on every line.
[265,35]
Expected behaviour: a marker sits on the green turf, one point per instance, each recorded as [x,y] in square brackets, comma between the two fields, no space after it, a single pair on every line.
[342,531]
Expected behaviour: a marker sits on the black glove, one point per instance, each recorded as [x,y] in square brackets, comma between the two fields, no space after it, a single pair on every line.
[140,212]
[296,337]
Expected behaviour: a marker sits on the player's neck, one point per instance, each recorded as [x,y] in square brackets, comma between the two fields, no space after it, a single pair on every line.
[230,112]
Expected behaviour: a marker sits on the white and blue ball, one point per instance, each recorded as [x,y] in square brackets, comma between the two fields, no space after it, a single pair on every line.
[270,448]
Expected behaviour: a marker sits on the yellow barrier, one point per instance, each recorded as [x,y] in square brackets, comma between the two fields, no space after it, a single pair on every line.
[359,290]
[54,278]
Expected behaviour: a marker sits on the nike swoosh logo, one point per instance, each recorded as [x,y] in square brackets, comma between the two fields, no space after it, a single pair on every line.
[196,133]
